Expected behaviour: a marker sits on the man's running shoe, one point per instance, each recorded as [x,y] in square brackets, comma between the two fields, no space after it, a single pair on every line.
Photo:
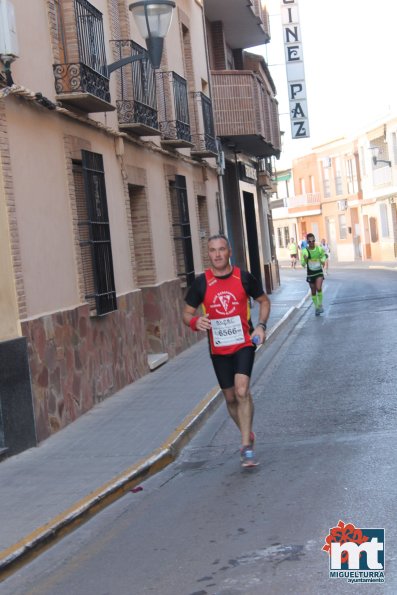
[320,309]
[252,442]
[248,457]
[318,312]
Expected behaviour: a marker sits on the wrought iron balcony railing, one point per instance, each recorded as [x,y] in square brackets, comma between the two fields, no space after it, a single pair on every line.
[81,86]
[83,79]
[137,106]
[204,136]
[173,110]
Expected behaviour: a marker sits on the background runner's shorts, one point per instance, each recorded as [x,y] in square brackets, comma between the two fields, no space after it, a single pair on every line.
[312,278]
[226,366]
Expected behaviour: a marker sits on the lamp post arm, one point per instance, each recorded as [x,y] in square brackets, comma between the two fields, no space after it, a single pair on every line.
[376,160]
[124,61]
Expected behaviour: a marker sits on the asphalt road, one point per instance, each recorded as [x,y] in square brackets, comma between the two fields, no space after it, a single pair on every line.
[326,424]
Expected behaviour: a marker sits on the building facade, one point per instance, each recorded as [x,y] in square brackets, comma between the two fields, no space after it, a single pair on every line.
[247,124]
[110,186]
[346,192]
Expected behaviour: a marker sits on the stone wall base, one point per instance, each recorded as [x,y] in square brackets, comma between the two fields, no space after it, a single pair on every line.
[77,360]
[163,306]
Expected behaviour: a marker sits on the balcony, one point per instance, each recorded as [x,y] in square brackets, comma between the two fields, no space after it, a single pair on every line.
[80,86]
[204,136]
[173,110]
[81,75]
[245,22]
[381,175]
[137,106]
[277,203]
[244,113]
[310,202]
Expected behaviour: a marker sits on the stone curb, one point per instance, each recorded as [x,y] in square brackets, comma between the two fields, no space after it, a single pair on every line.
[47,535]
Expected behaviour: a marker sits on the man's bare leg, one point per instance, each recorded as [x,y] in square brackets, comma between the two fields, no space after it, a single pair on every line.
[231,404]
[245,407]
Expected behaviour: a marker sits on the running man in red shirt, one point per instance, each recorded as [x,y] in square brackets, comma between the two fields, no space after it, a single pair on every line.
[223,291]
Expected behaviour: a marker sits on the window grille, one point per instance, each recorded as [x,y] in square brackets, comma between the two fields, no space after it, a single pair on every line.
[181,230]
[280,237]
[326,183]
[90,36]
[351,174]
[94,232]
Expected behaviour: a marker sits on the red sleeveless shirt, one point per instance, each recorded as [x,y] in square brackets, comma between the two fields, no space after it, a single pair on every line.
[228,306]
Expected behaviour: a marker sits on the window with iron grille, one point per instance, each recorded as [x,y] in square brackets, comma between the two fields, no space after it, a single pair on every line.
[181,230]
[94,233]
[338,177]
[326,183]
[351,175]
[280,237]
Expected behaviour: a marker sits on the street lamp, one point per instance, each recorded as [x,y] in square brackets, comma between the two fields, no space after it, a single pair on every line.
[153,19]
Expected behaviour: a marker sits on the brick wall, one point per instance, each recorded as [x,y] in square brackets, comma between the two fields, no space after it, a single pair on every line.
[163,306]
[141,231]
[218,46]
[11,211]
[73,147]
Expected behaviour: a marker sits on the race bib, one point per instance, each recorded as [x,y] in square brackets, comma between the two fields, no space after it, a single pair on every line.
[227,331]
[314,265]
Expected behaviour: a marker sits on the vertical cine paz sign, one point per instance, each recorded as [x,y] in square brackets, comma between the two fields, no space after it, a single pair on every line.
[295,69]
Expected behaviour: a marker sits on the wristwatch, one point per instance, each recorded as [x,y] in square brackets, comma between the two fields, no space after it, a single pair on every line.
[263,325]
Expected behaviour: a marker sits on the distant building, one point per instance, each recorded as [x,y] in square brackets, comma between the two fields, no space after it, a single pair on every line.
[345,191]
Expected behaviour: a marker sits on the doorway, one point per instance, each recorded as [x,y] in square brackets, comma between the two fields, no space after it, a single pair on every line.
[367,239]
[252,235]
[331,236]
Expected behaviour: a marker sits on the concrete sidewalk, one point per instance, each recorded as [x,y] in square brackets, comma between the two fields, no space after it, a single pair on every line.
[48,490]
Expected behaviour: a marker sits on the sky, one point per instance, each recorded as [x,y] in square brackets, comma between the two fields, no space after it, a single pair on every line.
[350,50]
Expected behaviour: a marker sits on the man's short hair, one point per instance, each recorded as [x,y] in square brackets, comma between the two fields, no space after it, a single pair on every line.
[219,236]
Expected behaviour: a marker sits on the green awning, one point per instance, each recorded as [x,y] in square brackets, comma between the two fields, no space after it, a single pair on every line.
[283,178]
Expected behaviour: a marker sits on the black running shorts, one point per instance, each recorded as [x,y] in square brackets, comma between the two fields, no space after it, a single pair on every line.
[226,366]
[313,278]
